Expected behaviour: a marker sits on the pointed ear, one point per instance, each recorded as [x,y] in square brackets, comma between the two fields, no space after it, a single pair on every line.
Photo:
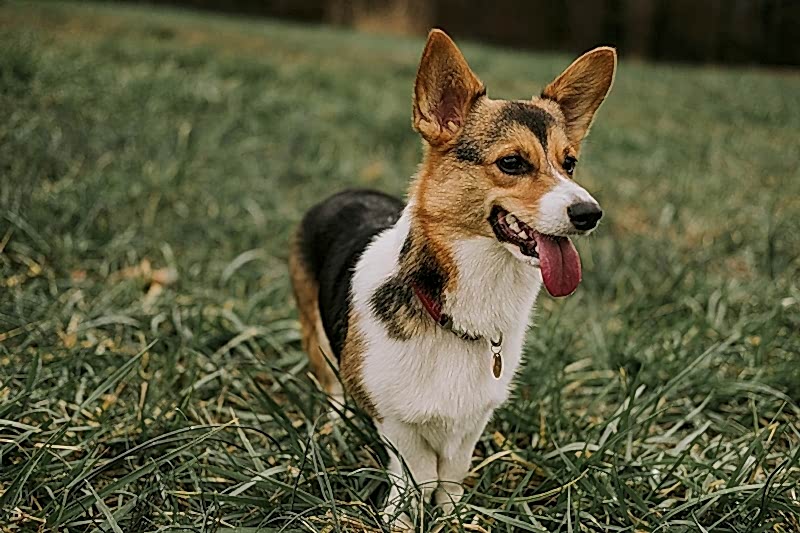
[444,91]
[581,89]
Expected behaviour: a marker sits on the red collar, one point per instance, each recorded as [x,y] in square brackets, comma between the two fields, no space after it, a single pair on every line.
[434,309]
[432,306]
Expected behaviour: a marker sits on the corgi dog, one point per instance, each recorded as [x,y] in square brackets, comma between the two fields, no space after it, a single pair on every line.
[422,306]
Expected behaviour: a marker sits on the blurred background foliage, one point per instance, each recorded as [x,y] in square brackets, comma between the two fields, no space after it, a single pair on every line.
[720,31]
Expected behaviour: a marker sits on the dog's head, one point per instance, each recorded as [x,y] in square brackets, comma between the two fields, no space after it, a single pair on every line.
[504,169]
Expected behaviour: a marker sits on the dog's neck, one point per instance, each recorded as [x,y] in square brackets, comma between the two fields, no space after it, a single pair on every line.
[481,286]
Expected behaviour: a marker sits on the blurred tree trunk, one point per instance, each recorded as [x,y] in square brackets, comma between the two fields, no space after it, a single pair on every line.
[530,23]
[728,31]
[587,20]
[395,16]
[638,40]
[781,21]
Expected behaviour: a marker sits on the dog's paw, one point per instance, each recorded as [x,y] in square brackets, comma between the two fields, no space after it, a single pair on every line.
[447,495]
[397,522]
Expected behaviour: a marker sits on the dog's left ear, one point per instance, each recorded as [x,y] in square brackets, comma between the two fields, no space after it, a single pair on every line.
[582,87]
[445,90]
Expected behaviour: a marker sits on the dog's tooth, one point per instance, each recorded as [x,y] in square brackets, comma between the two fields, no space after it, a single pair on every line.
[510,219]
[522,235]
[514,227]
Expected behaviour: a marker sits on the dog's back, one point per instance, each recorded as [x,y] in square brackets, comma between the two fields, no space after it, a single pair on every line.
[329,241]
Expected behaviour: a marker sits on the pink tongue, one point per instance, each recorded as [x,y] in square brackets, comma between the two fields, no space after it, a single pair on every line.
[560,264]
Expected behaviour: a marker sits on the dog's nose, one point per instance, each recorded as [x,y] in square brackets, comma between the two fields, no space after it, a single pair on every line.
[584,215]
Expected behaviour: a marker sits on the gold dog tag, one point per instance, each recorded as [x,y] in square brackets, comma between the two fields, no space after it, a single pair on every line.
[497,357]
[497,366]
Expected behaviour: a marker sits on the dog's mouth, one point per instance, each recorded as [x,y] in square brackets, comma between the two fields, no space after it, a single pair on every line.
[558,258]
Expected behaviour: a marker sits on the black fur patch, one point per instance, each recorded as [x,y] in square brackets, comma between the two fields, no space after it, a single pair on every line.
[394,302]
[532,117]
[333,236]
[468,150]
[406,249]
[391,303]
[428,275]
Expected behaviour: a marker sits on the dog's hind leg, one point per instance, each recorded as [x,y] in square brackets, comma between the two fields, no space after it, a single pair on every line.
[315,341]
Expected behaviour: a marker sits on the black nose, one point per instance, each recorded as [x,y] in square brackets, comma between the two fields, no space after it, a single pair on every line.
[584,215]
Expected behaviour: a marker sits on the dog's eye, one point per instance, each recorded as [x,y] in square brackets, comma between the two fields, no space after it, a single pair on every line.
[514,165]
[569,164]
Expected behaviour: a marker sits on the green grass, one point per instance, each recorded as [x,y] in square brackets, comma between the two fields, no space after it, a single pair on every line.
[152,166]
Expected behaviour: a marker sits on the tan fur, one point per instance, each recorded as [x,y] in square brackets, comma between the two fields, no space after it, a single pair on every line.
[351,368]
[443,76]
[582,87]
[315,342]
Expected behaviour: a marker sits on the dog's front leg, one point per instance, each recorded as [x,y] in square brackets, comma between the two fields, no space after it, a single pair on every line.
[453,467]
[407,446]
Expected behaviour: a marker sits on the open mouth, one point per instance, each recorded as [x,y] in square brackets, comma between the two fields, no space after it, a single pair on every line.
[558,259]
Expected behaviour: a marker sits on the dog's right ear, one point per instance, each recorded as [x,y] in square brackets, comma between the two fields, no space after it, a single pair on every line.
[445,90]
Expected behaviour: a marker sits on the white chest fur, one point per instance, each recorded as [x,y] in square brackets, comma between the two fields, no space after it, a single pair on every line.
[436,378]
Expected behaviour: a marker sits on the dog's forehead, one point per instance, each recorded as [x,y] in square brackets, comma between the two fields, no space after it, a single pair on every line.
[527,114]
[494,121]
